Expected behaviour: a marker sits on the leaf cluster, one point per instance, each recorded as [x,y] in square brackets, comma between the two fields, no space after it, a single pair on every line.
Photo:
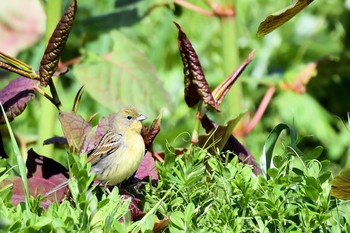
[208,195]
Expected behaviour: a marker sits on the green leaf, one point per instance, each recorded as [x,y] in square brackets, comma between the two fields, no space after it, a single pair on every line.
[272,172]
[189,212]
[124,76]
[176,219]
[272,139]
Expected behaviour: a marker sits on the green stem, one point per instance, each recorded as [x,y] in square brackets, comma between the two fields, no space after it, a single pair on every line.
[233,101]
[48,116]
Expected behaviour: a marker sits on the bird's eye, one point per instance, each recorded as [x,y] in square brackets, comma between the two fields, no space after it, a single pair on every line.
[129,117]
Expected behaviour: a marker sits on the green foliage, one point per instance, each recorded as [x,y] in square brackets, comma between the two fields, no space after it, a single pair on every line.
[211,195]
[85,212]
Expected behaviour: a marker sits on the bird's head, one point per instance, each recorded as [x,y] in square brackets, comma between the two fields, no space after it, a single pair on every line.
[129,119]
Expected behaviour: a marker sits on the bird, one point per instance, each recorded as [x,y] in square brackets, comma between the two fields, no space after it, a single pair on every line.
[119,152]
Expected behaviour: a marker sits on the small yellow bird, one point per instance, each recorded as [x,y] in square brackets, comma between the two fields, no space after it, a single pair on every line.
[120,151]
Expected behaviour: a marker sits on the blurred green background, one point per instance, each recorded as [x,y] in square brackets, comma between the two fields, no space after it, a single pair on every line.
[125,53]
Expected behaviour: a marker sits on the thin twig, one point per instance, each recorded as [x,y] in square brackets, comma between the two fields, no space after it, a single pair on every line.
[193,7]
[261,109]
[23,73]
[41,92]
[56,100]
[69,63]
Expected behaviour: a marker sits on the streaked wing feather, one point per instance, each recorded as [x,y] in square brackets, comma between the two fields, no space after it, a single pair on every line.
[108,144]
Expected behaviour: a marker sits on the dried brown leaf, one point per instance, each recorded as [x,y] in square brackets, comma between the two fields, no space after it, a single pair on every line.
[150,134]
[341,185]
[218,136]
[220,91]
[196,86]
[275,20]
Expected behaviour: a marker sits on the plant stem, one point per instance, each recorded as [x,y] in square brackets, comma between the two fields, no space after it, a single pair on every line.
[230,50]
[48,116]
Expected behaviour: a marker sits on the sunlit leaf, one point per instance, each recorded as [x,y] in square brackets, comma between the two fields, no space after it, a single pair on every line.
[122,77]
[277,19]
[196,86]
[271,142]
[49,62]
[15,96]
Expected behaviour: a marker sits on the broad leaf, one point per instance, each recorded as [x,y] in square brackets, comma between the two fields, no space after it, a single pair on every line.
[15,96]
[147,169]
[49,62]
[196,86]
[44,174]
[75,129]
[22,23]
[232,144]
[275,20]
[124,76]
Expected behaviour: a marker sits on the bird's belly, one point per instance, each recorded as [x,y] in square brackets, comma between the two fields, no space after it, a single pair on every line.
[113,170]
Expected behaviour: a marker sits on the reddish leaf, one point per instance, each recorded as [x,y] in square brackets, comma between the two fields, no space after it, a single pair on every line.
[275,20]
[44,174]
[80,135]
[15,95]
[161,224]
[220,91]
[196,86]
[75,129]
[49,62]
[147,168]
[150,134]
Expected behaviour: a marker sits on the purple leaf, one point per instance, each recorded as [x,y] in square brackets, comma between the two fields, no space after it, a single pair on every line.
[147,168]
[44,174]
[75,129]
[15,95]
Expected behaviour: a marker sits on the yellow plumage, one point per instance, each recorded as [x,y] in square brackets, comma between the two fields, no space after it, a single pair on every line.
[120,151]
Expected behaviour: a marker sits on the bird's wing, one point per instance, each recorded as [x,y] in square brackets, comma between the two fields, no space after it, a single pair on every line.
[109,143]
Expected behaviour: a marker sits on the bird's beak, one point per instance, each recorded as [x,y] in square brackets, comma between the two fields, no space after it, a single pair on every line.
[141,117]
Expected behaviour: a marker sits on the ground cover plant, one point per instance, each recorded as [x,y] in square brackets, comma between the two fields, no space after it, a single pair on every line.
[227,169]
